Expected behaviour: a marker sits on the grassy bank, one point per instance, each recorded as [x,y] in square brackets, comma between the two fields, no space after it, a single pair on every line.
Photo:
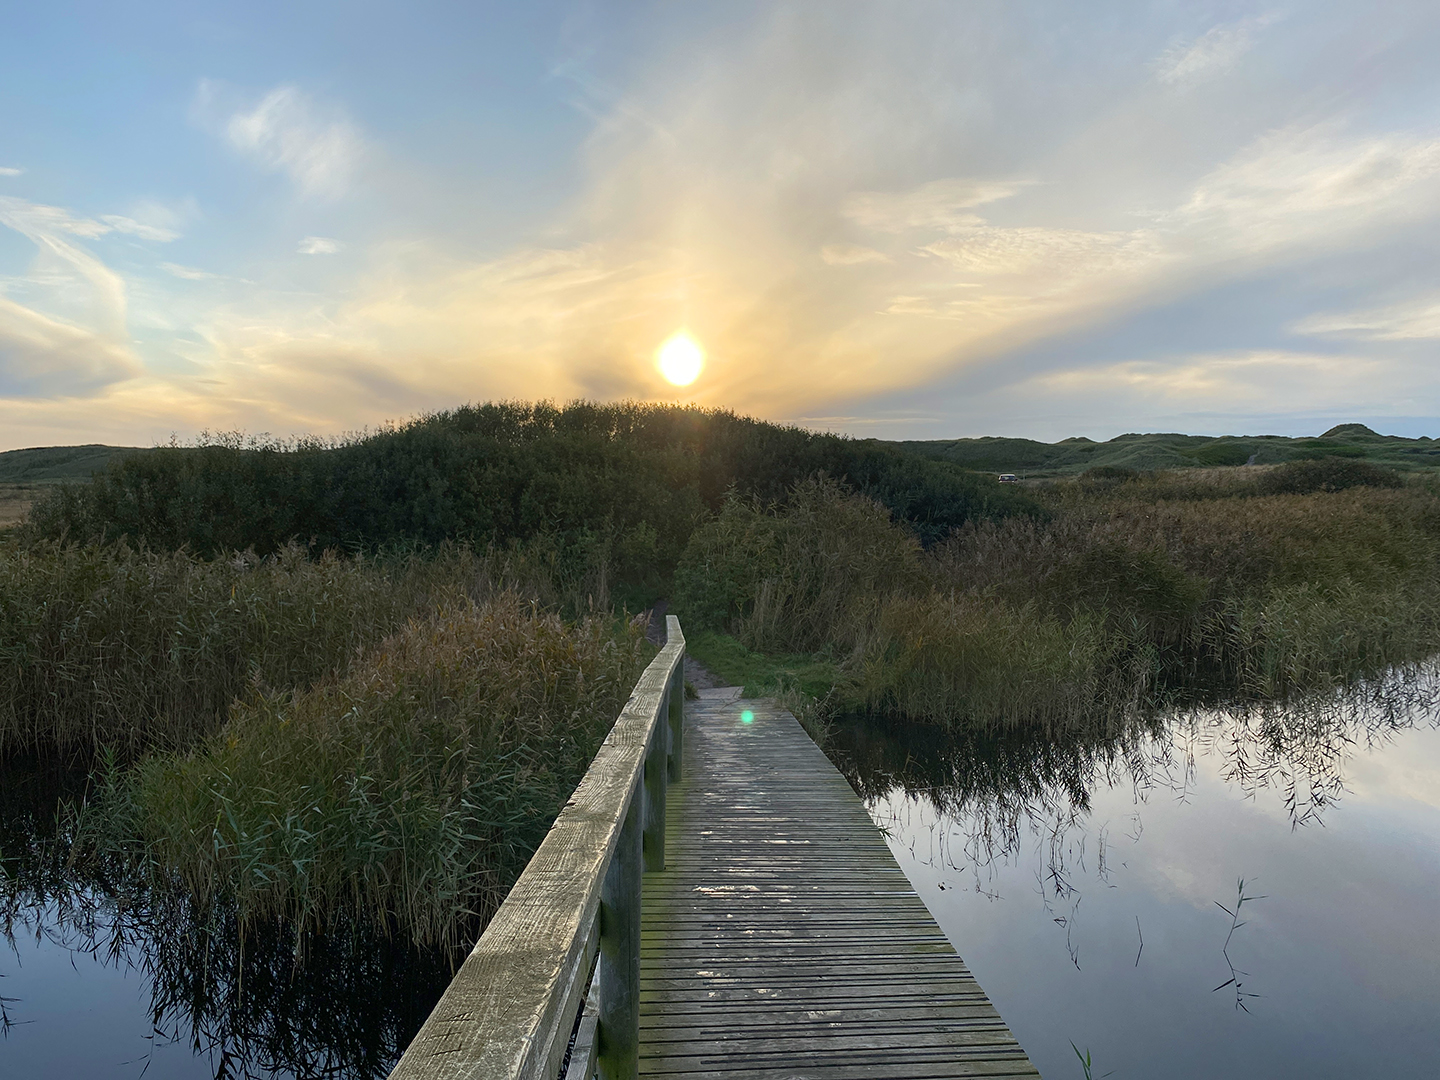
[1129,592]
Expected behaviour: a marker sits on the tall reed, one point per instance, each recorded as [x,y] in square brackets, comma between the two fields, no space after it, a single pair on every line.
[1121,597]
[409,791]
[129,648]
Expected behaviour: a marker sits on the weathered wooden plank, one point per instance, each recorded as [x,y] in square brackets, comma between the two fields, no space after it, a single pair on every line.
[857,1066]
[916,1016]
[783,940]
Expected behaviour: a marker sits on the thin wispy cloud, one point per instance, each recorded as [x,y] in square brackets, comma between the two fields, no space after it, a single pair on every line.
[44,357]
[1413,320]
[319,245]
[132,227]
[50,228]
[7,170]
[1214,53]
[186,273]
[288,132]
[939,204]
[1317,182]
[852,255]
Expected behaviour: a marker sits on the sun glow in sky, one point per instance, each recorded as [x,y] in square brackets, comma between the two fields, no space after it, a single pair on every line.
[680,359]
[911,221]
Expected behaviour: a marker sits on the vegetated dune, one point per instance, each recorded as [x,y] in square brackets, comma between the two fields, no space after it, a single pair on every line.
[1174,451]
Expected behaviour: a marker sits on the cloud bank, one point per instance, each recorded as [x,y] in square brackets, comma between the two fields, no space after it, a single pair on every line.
[852,209]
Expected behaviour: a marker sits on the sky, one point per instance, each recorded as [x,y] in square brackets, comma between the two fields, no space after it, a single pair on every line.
[914,220]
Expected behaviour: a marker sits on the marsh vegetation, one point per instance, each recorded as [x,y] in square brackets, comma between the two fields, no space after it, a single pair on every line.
[283,696]
[1125,593]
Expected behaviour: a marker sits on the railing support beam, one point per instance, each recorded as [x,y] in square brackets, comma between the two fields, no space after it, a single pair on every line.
[677,722]
[657,775]
[619,1057]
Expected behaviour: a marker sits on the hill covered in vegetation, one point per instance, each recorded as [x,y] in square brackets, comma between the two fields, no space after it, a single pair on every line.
[1144,453]
[57,464]
[598,489]
[24,474]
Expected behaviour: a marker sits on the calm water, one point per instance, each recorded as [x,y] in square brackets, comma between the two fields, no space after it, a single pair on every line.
[95,993]
[100,983]
[1082,882]
[1084,886]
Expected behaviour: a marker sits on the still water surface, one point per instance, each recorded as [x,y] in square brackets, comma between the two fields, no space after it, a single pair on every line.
[1086,881]
[1087,887]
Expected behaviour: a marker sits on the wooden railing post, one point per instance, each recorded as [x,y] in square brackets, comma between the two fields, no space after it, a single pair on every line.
[656,777]
[677,720]
[619,1057]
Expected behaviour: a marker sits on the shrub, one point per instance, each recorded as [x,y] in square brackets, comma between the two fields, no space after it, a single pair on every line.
[796,577]
[410,791]
[1328,473]
[627,480]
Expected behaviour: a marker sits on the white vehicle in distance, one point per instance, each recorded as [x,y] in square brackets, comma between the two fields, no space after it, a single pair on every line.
[1009,478]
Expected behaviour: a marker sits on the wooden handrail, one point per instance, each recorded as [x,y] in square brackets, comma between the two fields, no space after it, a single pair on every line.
[513,1005]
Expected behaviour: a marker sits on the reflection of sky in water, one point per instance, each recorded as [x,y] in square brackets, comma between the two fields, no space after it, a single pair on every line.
[147,988]
[1343,950]
[85,1015]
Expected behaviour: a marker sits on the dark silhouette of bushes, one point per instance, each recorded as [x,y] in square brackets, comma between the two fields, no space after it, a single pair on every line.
[1326,474]
[624,483]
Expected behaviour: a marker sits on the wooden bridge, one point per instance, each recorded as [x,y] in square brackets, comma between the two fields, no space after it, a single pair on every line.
[713,901]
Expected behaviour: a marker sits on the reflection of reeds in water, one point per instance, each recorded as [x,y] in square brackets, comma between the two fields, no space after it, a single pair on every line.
[246,1002]
[979,796]
[1235,924]
[255,998]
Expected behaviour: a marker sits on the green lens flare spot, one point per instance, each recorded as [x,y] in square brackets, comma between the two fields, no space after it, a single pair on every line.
[747,717]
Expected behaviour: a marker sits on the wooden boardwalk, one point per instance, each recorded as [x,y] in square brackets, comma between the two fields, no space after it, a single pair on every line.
[782,940]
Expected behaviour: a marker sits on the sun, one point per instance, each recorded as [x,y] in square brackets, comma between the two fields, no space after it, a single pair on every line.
[680,359]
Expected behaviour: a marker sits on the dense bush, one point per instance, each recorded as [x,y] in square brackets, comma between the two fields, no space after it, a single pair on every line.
[1115,600]
[797,577]
[411,791]
[622,484]
[1326,474]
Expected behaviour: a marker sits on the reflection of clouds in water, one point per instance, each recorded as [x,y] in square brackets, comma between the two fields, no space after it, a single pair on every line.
[1055,866]
[167,982]
[977,805]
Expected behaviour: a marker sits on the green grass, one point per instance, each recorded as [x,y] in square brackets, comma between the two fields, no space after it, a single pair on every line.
[761,675]
[57,464]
